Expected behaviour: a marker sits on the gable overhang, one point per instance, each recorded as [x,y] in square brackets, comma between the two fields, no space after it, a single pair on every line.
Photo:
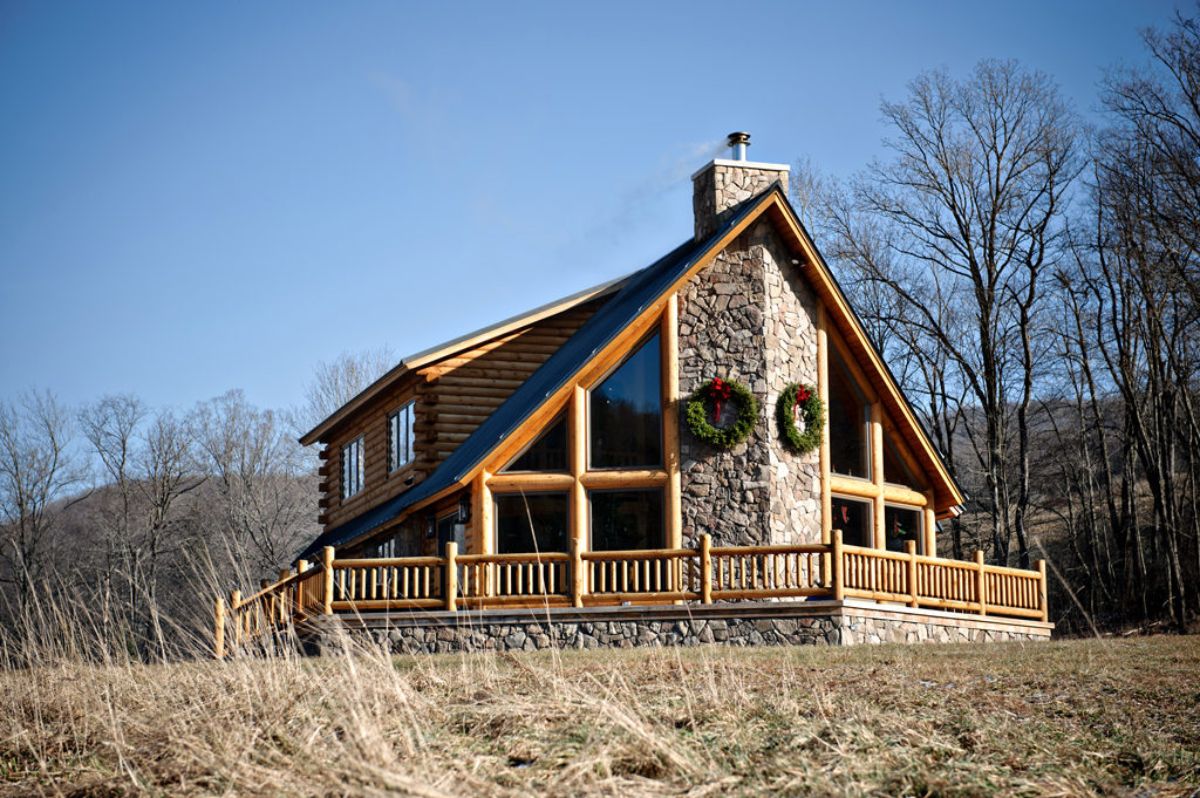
[948,497]
[433,354]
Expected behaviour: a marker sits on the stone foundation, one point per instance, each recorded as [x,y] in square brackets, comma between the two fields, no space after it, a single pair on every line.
[767,624]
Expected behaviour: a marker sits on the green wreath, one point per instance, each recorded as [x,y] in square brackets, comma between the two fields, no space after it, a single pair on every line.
[718,391]
[811,407]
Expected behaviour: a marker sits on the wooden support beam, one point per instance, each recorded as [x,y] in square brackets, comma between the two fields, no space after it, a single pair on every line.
[327,561]
[823,392]
[669,339]
[910,548]
[451,576]
[529,482]
[839,581]
[877,473]
[930,531]
[980,583]
[577,449]
[219,629]
[1042,591]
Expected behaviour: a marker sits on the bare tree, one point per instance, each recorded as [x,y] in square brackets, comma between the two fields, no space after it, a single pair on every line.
[262,477]
[336,382]
[960,225]
[37,471]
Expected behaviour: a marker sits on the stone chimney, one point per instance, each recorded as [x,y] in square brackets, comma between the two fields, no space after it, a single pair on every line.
[724,184]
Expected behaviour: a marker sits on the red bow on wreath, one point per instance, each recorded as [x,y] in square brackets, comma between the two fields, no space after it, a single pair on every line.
[802,394]
[719,391]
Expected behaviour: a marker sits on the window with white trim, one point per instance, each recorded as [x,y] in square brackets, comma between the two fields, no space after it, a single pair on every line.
[401,438]
[352,468]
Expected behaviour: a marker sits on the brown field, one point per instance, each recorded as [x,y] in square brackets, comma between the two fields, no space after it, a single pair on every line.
[1065,718]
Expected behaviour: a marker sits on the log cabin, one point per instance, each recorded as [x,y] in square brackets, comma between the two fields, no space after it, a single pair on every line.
[701,447]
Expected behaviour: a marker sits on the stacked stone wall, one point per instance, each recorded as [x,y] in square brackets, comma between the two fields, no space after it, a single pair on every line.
[749,316]
[530,632]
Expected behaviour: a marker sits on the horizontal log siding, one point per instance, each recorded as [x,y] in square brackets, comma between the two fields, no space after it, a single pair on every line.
[453,396]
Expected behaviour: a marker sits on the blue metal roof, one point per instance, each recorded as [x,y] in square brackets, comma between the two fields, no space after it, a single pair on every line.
[642,290]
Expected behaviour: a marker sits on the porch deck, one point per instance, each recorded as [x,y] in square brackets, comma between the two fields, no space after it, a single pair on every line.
[637,579]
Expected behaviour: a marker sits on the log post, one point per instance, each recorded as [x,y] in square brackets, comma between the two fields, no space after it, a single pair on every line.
[839,583]
[578,577]
[281,604]
[980,582]
[706,568]
[301,569]
[327,558]
[910,548]
[219,629]
[235,598]
[451,576]
[1042,591]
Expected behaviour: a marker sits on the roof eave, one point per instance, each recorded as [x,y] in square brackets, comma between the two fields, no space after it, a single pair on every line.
[449,348]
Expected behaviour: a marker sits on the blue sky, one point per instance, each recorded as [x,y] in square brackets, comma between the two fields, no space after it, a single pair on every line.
[201,196]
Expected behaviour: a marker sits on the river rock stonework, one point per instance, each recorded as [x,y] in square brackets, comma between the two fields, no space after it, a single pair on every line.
[748,316]
[445,633]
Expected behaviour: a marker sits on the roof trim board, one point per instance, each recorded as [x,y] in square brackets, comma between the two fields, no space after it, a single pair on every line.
[446,349]
[691,257]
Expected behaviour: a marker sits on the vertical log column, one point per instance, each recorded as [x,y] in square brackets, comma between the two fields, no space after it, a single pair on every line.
[877,473]
[451,576]
[839,582]
[327,561]
[481,521]
[823,392]
[706,568]
[930,526]
[980,583]
[1042,591]
[219,629]
[577,446]
[910,548]
[669,338]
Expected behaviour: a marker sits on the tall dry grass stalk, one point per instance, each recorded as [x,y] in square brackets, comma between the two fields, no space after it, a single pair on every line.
[86,717]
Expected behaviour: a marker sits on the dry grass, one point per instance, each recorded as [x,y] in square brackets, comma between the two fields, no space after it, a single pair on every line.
[1064,718]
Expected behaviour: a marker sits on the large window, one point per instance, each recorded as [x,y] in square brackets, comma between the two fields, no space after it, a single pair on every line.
[902,524]
[853,517]
[401,437]
[352,468]
[529,522]
[547,453]
[627,519]
[625,413]
[849,424]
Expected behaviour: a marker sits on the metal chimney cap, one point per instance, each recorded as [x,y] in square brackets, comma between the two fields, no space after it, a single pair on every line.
[739,137]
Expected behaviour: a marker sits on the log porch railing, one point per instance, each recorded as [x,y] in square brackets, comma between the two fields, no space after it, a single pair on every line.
[654,576]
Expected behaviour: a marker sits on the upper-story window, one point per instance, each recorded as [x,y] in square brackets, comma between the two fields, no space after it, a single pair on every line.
[625,413]
[849,424]
[352,468]
[401,438]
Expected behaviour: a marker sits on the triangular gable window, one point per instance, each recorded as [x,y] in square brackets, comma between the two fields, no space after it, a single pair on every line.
[547,453]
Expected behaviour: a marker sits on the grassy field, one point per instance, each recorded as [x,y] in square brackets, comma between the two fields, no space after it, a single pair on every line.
[1065,718]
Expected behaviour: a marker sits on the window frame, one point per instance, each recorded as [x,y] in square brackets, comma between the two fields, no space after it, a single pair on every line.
[497,494]
[660,490]
[409,408]
[909,508]
[355,448]
[870,522]
[837,362]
